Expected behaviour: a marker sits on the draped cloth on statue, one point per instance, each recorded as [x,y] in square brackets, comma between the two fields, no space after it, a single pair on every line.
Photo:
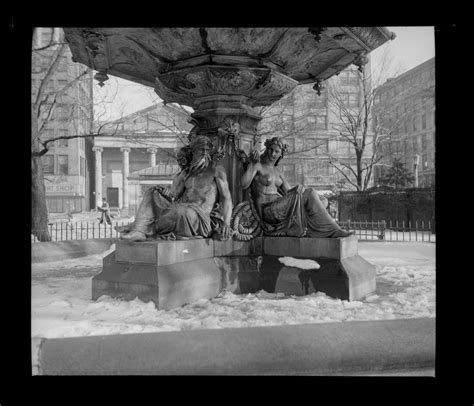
[157,215]
[298,214]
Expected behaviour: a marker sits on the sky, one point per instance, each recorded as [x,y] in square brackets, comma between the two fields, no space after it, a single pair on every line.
[412,46]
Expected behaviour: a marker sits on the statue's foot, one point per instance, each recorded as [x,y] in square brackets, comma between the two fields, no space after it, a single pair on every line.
[342,233]
[134,236]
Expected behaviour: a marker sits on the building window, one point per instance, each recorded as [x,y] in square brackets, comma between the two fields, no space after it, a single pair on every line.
[48,134]
[406,147]
[353,100]
[423,121]
[48,164]
[424,160]
[415,126]
[46,36]
[349,78]
[424,143]
[322,146]
[321,122]
[63,142]
[415,145]
[63,166]
[82,166]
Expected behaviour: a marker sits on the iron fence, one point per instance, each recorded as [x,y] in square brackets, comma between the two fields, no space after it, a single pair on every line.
[391,230]
[81,230]
[364,230]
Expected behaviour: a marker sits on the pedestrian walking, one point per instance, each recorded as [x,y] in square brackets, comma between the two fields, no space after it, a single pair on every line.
[105,209]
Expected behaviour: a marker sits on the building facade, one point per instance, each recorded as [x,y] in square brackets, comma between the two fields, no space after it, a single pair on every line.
[404,107]
[137,151]
[310,125]
[67,112]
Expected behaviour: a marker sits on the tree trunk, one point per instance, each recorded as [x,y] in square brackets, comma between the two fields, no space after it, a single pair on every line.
[359,171]
[39,212]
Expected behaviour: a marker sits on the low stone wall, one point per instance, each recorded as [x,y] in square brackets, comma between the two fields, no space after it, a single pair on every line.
[357,347]
[61,250]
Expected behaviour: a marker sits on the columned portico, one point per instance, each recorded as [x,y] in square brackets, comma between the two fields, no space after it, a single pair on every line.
[125,173]
[152,152]
[98,174]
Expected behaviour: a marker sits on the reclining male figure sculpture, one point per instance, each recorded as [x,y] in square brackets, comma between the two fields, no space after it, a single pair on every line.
[198,204]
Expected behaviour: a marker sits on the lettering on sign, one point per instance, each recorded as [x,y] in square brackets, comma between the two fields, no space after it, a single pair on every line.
[61,188]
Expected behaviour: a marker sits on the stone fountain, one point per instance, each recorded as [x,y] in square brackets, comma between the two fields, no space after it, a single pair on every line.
[223,73]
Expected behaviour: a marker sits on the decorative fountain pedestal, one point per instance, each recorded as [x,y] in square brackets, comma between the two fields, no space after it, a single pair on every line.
[223,73]
[173,273]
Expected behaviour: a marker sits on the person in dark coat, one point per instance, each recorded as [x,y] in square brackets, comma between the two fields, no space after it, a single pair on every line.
[105,209]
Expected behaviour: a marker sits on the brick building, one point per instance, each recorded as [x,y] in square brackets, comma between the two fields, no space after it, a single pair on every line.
[405,107]
[67,163]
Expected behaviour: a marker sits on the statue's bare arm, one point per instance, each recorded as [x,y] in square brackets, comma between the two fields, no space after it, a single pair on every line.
[177,187]
[249,174]
[225,201]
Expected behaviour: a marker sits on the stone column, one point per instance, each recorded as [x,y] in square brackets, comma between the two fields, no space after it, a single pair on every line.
[152,152]
[98,174]
[125,173]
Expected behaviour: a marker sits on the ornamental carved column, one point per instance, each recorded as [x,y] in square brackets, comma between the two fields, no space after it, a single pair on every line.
[224,99]
[98,175]
[125,173]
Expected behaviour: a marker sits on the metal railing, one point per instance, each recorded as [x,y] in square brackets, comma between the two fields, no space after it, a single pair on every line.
[364,230]
[421,231]
[81,230]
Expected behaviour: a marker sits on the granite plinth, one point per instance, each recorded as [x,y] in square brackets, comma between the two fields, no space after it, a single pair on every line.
[169,273]
[173,273]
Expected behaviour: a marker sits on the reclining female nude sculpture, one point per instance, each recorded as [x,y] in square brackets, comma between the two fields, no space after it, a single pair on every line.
[285,211]
[198,204]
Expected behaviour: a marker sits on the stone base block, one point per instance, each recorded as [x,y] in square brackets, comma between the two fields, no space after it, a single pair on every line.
[335,248]
[163,252]
[168,286]
[173,273]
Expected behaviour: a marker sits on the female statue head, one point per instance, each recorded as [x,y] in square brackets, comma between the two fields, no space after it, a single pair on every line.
[275,149]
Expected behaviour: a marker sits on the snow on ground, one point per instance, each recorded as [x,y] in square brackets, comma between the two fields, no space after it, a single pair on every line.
[62,305]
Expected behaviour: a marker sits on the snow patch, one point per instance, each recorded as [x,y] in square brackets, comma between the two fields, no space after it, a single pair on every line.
[299,263]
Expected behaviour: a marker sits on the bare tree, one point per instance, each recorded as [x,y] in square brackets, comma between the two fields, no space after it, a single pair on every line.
[45,101]
[356,126]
